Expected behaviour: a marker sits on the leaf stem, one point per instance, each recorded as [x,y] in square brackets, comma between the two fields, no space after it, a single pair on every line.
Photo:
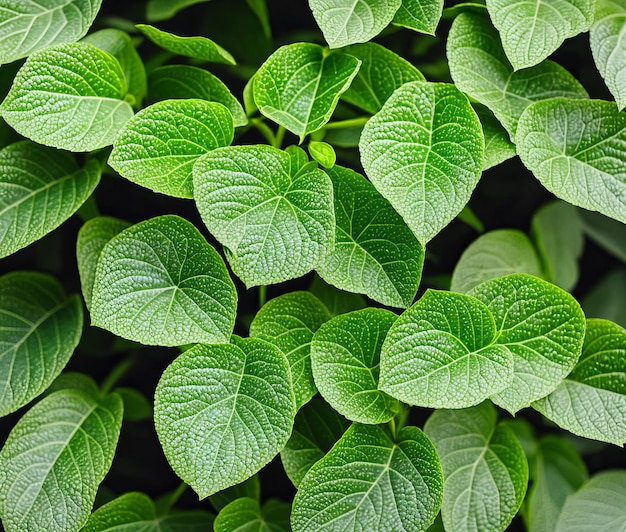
[264,129]
[116,374]
[89,209]
[280,135]
[175,495]
[351,122]
[262,295]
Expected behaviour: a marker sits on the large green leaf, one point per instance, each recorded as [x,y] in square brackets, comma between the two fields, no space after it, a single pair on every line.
[160,283]
[299,85]
[484,467]
[39,329]
[423,151]
[222,412]
[271,209]
[591,401]
[158,147]
[28,26]
[54,459]
[375,252]
[542,325]
[247,515]
[40,188]
[157,10]
[371,481]
[440,353]
[419,15]
[479,68]
[582,165]
[346,22]
[69,96]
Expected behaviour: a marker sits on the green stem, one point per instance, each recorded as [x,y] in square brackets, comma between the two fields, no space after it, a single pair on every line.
[262,295]
[175,495]
[89,209]
[264,129]
[392,426]
[116,374]
[352,122]
[280,135]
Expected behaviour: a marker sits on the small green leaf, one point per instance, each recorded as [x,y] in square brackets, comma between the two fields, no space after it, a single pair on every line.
[484,467]
[423,151]
[581,165]
[605,299]
[196,47]
[498,147]
[323,153]
[591,401]
[54,459]
[335,300]
[160,283]
[346,22]
[136,405]
[271,209]
[39,329]
[157,10]
[69,380]
[40,188]
[368,479]
[247,515]
[375,252]
[440,353]
[222,412]
[28,26]
[419,15]
[250,488]
[606,232]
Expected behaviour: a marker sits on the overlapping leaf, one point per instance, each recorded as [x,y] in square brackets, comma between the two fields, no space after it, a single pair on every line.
[336,301]
[250,488]
[419,15]
[498,146]
[248,514]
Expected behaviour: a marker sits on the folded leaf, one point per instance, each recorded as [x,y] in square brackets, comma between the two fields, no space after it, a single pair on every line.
[419,15]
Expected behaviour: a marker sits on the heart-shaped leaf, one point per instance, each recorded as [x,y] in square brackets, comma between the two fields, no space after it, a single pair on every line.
[248,514]
[419,15]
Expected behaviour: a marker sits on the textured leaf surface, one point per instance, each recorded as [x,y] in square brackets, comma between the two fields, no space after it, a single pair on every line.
[224,411]
[419,15]
[498,146]
[370,482]
[585,166]
[375,252]
[423,151]
[54,459]
[69,96]
[160,283]
[484,468]
[271,209]
[39,329]
[40,188]
[247,515]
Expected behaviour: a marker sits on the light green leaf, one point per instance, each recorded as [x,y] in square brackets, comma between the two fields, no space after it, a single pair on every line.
[498,147]
[381,73]
[29,26]
[317,428]
[299,85]
[423,151]
[419,15]
[160,283]
[323,153]
[271,209]
[484,467]
[606,298]
[40,188]
[345,355]
[196,47]
[69,97]
[39,329]
[440,353]
[606,232]
[375,253]
[582,165]
[346,22]
[157,10]
[479,68]
[335,300]
[250,488]
[54,459]
[222,412]
[247,515]
[368,479]
[542,325]
[494,254]
[591,401]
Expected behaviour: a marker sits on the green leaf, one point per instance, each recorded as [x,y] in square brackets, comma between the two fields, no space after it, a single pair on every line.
[160,283]
[247,515]
[498,147]
[375,253]
[484,467]
[542,325]
[158,147]
[299,85]
[440,353]
[605,299]
[39,329]
[157,10]
[271,209]
[40,188]
[222,412]
[494,254]
[368,479]
[288,322]
[532,30]
[69,97]
[335,300]
[136,405]
[346,22]
[250,488]
[423,151]
[196,47]
[581,165]
[323,153]
[69,380]
[28,26]
[606,37]
[381,73]
[317,428]
[479,68]
[259,8]
[54,459]
[419,15]
[345,355]
[591,401]
[606,232]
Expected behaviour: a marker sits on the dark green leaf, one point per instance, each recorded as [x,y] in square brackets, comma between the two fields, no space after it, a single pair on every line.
[247,515]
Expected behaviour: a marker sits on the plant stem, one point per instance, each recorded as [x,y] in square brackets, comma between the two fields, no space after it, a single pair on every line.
[280,135]
[352,122]
[116,374]
[264,129]
[175,495]
[262,295]
[89,209]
